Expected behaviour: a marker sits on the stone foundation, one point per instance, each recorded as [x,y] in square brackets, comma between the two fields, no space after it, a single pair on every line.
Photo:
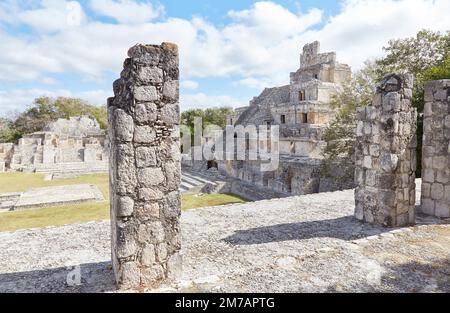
[145,168]
[435,199]
[385,155]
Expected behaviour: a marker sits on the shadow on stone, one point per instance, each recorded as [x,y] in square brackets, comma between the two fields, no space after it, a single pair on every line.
[95,278]
[419,277]
[411,277]
[345,228]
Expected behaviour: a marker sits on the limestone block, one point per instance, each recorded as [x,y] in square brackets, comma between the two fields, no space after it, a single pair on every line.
[150,74]
[150,176]
[442,209]
[170,90]
[144,134]
[146,156]
[437,191]
[148,194]
[124,125]
[426,189]
[146,93]
[146,112]
[148,256]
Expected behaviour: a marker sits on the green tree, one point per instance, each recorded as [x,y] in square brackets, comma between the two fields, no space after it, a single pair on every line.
[39,114]
[339,135]
[46,109]
[210,116]
[415,54]
[425,56]
[7,131]
[217,116]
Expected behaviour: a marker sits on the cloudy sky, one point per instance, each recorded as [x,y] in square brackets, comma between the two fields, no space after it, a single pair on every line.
[229,50]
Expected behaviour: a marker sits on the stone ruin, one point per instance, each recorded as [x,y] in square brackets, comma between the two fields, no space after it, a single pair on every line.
[302,111]
[385,155]
[6,150]
[145,169]
[74,145]
[435,195]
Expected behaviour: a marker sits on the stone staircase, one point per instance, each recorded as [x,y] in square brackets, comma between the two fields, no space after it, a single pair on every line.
[72,167]
[8,200]
[193,181]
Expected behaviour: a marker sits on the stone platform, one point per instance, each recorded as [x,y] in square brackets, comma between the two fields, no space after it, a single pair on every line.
[307,243]
[57,195]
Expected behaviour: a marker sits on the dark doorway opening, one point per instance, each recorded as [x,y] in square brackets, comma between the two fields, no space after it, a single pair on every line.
[212,164]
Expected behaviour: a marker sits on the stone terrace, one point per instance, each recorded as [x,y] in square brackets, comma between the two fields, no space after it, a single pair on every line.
[307,243]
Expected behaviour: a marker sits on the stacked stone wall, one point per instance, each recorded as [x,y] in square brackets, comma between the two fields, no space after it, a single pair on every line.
[145,168]
[385,155]
[435,199]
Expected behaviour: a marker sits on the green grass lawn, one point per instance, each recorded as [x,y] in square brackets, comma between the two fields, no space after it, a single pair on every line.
[198,200]
[15,182]
[82,212]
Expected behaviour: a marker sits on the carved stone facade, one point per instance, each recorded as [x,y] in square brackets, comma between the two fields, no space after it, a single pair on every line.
[145,168]
[385,155]
[302,111]
[77,144]
[435,199]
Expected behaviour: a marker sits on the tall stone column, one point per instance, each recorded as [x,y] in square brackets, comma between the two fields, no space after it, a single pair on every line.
[385,155]
[435,199]
[145,168]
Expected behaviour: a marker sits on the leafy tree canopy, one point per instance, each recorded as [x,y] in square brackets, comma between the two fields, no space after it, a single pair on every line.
[426,56]
[44,110]
[210,116]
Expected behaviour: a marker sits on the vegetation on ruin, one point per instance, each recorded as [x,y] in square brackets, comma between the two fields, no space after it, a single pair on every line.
[339,135]
[7,131]
[426,56]
[81,212]
[44,110]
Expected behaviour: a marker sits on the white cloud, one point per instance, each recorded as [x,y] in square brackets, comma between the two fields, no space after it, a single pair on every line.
[96,97]
[261,82]
[18,99]
[203,101]
[189,84]
[259,46]
[53,16]
[127,11]
[363,27]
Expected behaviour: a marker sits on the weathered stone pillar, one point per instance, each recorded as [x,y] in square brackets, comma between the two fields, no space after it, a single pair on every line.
[435,199]
[145,167]
[385,155]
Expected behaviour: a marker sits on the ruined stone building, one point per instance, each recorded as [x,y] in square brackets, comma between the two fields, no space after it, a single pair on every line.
[302,111]
[74,145]
[435,199]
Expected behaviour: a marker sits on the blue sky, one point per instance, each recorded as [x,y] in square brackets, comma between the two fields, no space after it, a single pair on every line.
[229,50]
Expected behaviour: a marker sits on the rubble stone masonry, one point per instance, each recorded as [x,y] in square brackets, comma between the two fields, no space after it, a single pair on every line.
[385,155]
[145,168]
[435,199]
